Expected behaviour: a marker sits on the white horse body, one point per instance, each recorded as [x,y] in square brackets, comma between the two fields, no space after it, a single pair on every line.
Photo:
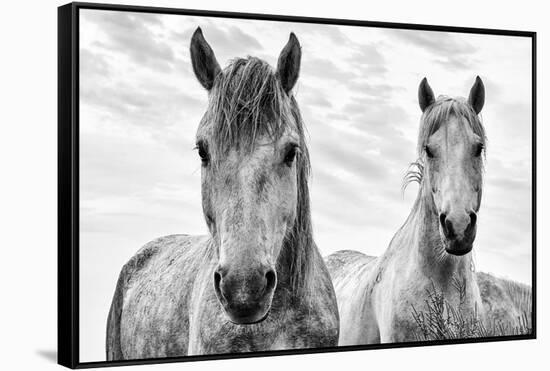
[352,295]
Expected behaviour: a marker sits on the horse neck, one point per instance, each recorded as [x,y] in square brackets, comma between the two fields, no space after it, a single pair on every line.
[428,252]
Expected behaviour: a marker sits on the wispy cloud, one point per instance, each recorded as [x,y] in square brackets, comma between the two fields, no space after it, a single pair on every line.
[132,35]
[327,69]
[226,40]
[449,49]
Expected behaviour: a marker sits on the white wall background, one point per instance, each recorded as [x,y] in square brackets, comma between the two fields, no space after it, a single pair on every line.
[28,187]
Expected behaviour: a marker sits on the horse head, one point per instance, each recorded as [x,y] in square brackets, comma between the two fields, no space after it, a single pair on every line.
[451,147]
[254,163]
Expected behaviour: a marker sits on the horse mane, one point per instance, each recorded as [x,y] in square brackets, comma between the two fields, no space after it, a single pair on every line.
[433,117]
[247,102]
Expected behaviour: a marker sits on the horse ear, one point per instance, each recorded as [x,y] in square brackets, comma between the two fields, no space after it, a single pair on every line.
[288,66]
[425,95]
[204,61]
[477,95]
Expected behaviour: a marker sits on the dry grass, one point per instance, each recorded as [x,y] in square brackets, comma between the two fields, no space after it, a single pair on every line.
[442,321]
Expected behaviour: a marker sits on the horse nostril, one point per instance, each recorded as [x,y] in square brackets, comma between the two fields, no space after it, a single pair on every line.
[217,280]
[473,219]
[442,218]
[218,275]
[447,226]
[271,280]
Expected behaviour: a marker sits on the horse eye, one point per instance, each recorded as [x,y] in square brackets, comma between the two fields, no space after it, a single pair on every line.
[203,152]
[291,155]
[429,153]
[478,150]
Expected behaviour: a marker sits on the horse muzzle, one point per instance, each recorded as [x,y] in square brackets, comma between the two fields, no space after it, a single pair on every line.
[458,248]
[246,297]
[458,232]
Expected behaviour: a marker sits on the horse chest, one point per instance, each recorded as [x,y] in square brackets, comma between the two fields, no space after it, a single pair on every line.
[415,293]
[283,329]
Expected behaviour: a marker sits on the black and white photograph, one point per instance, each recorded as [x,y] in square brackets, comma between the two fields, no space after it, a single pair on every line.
[254,185]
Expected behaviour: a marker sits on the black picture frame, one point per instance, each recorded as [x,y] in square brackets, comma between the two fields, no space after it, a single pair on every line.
[68,179]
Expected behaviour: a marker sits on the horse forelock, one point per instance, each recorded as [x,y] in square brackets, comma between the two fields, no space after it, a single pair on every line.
[440,112]
[246,103]
[436,115]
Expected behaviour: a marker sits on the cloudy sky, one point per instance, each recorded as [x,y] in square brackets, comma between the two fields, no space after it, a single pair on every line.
[140,106]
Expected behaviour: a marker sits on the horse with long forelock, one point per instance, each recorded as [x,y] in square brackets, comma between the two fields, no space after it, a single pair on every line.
[432,249]
[257,281]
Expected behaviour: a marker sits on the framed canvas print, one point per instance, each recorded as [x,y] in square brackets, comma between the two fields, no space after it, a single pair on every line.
[236,185]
